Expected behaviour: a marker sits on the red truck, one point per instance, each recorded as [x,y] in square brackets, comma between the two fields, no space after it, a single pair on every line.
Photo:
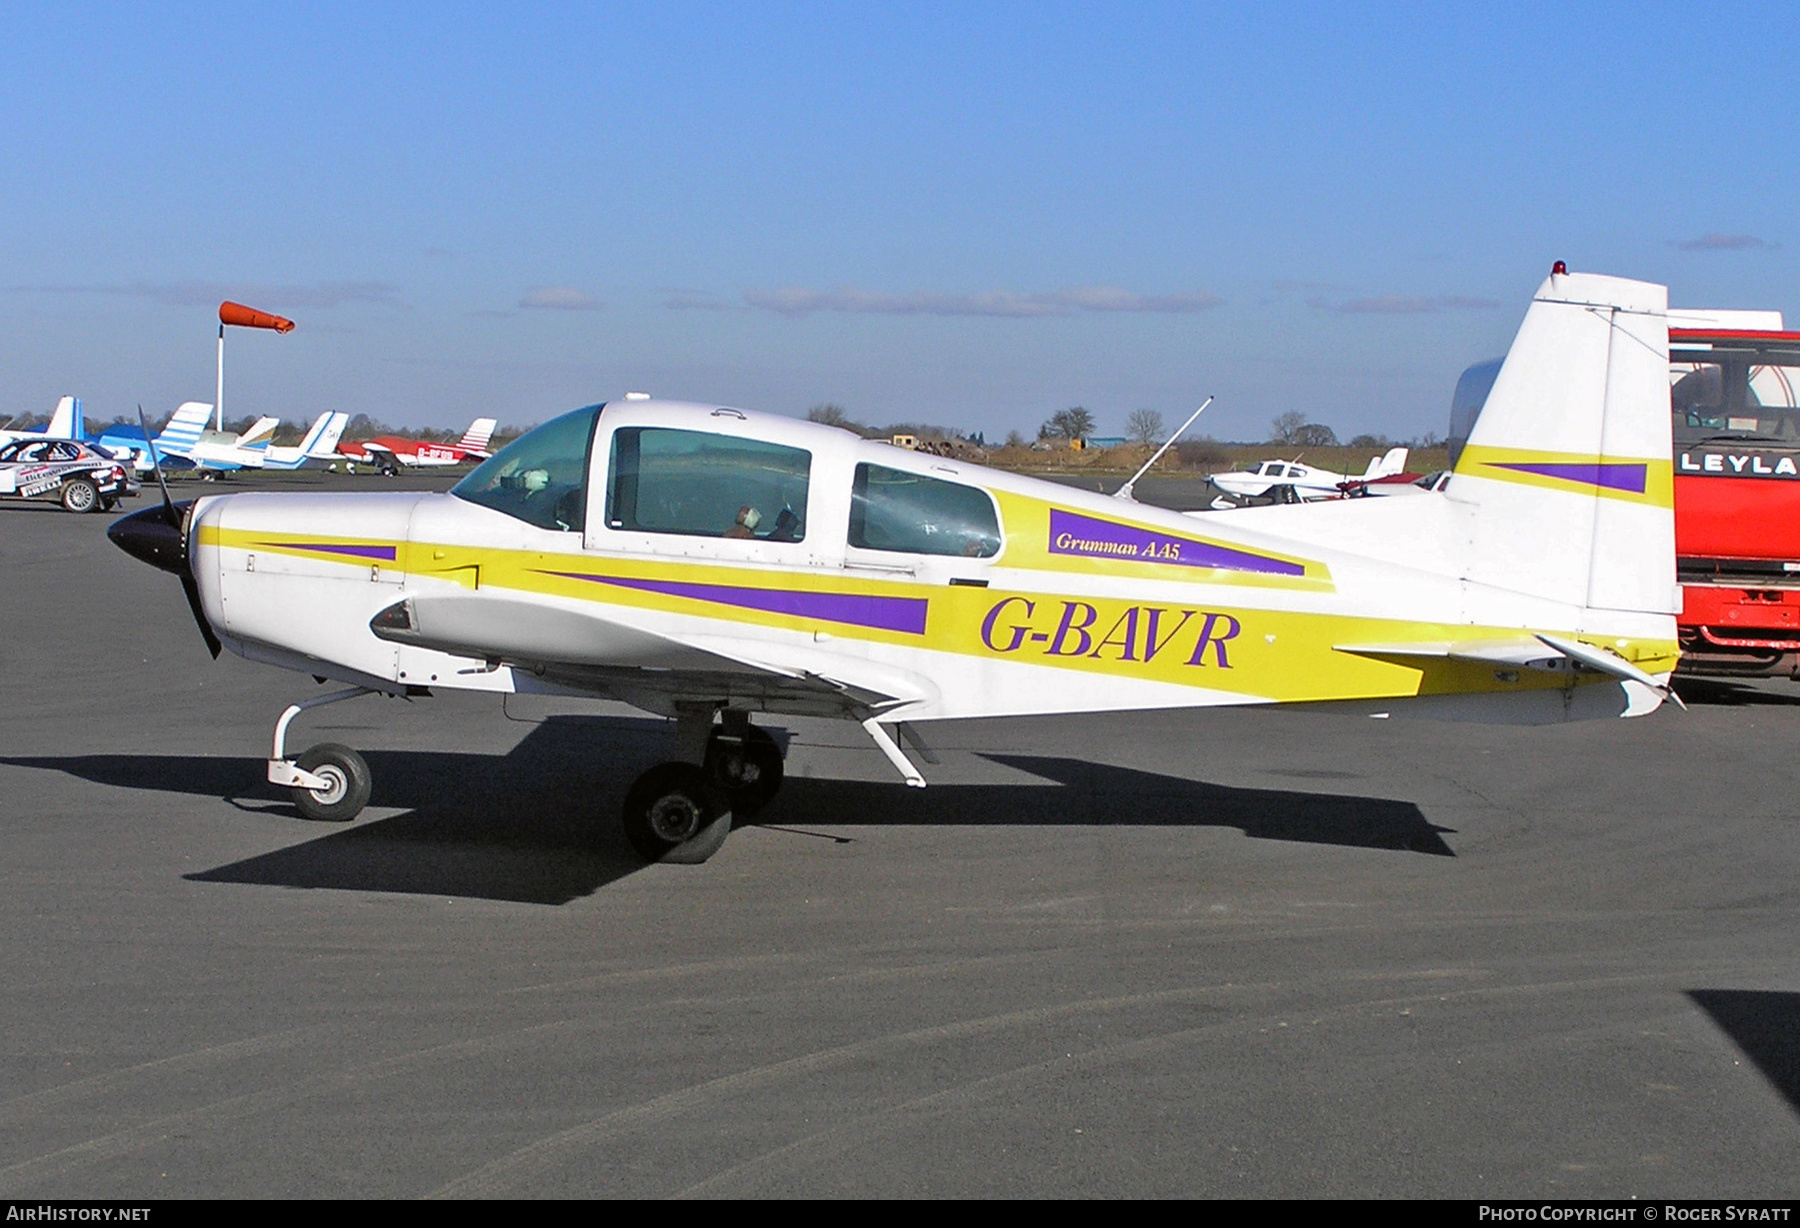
[1734,393]
[1737,498]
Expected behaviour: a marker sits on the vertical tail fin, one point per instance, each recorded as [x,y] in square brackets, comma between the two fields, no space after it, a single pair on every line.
[1568,464]
[311,440]
[1388,464]
[480,431]
[66,422]
[331,430]
[257,438]
[182,431]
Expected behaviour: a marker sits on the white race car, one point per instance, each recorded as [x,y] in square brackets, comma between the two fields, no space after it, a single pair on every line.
[81,477]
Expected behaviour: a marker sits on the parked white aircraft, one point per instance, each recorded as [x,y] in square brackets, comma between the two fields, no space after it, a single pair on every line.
[1293,482]
[65,423]
[223,451]
[705,564]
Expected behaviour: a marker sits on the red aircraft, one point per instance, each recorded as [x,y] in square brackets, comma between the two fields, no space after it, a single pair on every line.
[391,451]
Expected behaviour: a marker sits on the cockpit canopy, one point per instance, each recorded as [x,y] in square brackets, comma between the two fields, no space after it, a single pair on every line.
[727,484]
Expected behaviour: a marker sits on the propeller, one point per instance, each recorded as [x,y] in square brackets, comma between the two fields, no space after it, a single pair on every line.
[158,536]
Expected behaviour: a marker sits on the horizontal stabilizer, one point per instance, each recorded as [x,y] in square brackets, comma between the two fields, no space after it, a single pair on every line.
[1522,654]
[1607,663]
[1519,654]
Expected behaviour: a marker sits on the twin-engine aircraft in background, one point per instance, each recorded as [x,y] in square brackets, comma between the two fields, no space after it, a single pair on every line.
[390,451]
[1292,482]
[709,564]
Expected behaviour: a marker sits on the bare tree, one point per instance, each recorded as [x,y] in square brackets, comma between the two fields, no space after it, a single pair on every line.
[1145,426]
[830,415]
[1286,426]
[1072,423]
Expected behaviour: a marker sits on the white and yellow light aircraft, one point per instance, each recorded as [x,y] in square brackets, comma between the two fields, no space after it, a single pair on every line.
[706,564]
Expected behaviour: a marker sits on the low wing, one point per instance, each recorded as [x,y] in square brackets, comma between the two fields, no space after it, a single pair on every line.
[651,669]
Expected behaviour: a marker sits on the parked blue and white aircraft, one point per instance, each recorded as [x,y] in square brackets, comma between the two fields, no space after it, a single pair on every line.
[177,437]
[185,442]
[320,444]
[65,423]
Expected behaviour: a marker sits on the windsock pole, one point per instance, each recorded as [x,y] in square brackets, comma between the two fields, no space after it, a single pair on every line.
[243,317]
[219,391]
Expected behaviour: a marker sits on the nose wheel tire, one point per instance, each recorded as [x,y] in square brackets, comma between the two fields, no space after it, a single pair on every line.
[674,813]
[347,784]
[747,768]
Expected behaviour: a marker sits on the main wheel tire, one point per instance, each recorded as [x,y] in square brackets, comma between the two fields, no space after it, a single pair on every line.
[348,784]
[80,495]
[747,769]
[674,813]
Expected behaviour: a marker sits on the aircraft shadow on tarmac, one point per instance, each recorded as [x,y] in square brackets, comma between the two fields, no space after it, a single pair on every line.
[1727,693]
[539,824]
[1765,1026]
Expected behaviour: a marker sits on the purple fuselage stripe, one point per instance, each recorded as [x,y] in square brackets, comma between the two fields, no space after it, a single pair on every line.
[904,614]
[1090,538]
[361,552]
[1613,476]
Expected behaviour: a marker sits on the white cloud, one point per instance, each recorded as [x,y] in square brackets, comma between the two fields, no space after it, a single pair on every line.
[1408,304]
[264,295]
[559,298]
[796,301]
[1715,242]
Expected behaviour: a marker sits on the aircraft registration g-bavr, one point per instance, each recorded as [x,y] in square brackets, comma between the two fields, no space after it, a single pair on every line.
[709,564]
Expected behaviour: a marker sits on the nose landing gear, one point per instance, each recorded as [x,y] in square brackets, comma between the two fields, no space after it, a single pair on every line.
[330,782]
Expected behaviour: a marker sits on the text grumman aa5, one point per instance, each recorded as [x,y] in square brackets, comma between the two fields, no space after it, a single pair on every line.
[709,564]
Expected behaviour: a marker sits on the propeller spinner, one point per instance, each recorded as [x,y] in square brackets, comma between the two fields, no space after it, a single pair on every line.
[158,536]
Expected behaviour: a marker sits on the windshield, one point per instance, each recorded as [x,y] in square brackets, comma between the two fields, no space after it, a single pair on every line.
[541,477]
[1753,395]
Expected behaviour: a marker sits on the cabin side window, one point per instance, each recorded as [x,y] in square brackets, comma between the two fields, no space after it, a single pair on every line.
[705,485]
[541,477]
[911,513]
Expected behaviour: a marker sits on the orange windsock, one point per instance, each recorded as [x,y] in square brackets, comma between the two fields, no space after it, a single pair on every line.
[250,317]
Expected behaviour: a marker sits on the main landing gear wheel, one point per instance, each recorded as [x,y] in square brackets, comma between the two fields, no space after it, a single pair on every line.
[347,784]
[674,813]
[746,767]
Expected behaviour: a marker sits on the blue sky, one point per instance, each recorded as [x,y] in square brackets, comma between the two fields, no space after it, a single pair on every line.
[966,214]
